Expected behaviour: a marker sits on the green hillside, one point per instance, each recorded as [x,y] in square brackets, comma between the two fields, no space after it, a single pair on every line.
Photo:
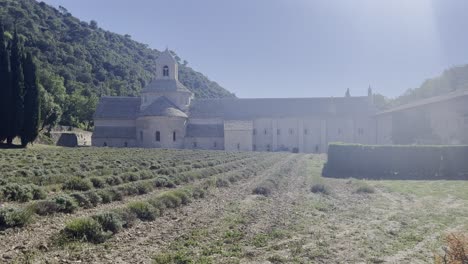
[451,80]
[78,61]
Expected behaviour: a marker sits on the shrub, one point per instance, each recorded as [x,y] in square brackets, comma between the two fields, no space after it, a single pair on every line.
[82,200]
[411,162]
[262,190]
[77,184]
[93,198]
[132,177]
[143,210]
[16,192]
[105,195]
[364,188]
[198,193]
[456,251]
[85,229]
[44,207]
[143,187]
[183,195]
[109,221]
[11,217]
[38,193]
[320,188]
[169,200]
[98,182]
[127,216]
[65,203]
[222,183]
[114,180]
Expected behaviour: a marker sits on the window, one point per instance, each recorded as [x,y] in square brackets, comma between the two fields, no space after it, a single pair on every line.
[278,132]
[194,144]
[215,144]
[305,131]
[174,136]
[105,144]
[157,136]
[361,131]
[316,148]
[238,146]
[265,131]
[141,135]
[125,144]
[166,71]
[268,147]
[291,131]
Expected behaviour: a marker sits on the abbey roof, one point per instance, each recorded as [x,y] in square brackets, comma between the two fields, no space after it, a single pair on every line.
[116,107]
[162,107]
[233,108]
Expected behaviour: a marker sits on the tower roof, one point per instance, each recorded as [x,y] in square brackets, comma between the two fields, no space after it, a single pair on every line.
[167,55]
[162,107]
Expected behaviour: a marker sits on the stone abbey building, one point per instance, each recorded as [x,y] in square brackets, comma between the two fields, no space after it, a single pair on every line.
[167,116]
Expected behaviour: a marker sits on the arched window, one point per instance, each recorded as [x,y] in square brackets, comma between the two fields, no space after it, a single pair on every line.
[157,136]
[166,71]
[174,136]
[238,146]
[125,144]
[215,144]
[141,135]
[105,144]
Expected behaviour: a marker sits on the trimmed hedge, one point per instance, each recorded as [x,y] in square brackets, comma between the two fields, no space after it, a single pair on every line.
[397,162]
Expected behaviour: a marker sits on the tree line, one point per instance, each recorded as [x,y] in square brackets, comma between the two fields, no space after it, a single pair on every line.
[19,92]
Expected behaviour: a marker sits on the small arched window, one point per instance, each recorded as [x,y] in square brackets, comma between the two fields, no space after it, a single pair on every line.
[238,146]
[141,135]
[158,136]
[125,144]
[105,144]
[166,71]
[215,144]
[174,136]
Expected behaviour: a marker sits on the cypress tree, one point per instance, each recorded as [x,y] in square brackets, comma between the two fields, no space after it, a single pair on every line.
[31,102]
[5,87]
[17,78]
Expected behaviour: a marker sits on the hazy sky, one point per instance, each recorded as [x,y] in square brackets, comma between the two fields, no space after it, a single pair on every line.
[296,48]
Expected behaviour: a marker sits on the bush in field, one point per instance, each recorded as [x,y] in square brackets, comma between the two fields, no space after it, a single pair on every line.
[85,229]
[38,193]
[11,217]
[105,195]
[320,188]
[114,180]
[77,184]
[65,203]
[143,210]
[16,192]
[93,198]
[169,200]
[127,216]
[262,190]
[456,250]
[98,182]
[363,187]
[222,183]
[82,200]
[109,221]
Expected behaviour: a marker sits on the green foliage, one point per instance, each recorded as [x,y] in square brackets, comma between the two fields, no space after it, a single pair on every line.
[320,188]
[79,62]
[21,193]
[109,221]
[32,104]
[65,203]
[413,162]
[10,217]
[85,229]
[143,210]
[77,184]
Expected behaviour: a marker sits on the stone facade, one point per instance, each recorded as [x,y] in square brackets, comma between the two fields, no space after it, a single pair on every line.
[436,120]
[167,116]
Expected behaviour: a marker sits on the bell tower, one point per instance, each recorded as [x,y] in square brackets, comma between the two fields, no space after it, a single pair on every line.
[166,67]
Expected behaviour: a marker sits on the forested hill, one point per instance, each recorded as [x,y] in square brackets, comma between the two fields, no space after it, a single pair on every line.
[78,61]
[451,80]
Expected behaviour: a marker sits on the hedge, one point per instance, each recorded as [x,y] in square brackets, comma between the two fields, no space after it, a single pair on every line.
[397,162]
